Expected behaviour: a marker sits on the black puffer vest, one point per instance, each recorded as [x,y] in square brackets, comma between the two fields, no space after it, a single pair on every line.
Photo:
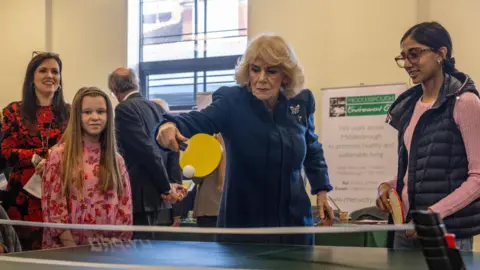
[437,164]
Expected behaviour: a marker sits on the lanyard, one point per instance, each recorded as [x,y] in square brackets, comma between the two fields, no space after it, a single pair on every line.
[46,138]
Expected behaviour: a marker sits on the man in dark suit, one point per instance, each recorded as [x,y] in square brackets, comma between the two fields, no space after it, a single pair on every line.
[177,207]
[153,172]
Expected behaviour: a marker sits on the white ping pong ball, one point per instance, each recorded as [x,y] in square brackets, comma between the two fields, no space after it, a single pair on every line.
[188,171]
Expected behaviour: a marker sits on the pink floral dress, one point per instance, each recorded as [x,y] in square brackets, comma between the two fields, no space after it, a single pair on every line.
[96,207]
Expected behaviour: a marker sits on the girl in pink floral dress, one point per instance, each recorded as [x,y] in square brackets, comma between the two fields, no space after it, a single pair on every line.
[98,191]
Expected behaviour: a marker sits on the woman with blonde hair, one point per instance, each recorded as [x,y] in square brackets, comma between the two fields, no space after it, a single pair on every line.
[85,179]
[268,129]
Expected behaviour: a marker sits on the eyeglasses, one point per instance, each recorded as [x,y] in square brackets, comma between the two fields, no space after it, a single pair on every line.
[413,55]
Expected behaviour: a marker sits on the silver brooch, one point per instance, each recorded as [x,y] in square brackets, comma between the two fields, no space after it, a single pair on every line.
[295,109]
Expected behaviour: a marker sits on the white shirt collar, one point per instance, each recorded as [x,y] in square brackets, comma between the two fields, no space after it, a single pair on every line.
[129,94]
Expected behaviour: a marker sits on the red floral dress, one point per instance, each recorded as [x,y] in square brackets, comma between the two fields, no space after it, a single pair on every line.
[95,207]
[18,146]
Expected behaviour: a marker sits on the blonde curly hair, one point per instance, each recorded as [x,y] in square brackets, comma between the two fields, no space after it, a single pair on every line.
[274,51]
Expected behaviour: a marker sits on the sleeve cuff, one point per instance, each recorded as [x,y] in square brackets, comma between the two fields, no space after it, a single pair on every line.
[326,188]
[155,132]
[436,209]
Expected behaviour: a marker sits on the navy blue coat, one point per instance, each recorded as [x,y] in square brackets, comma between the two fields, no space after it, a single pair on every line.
[265,155]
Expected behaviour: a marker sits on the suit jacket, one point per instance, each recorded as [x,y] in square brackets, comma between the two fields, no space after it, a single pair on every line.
[151,170]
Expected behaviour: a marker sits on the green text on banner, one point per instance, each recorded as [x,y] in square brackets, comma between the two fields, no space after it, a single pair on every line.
[360,147]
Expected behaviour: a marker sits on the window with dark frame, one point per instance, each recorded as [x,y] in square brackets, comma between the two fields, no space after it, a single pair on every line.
[189,46]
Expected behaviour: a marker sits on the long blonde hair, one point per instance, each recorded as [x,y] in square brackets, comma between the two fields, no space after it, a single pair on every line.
[71,169]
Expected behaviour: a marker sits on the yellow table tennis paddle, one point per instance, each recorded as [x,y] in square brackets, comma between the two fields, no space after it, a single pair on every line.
[398,215]
[200,155]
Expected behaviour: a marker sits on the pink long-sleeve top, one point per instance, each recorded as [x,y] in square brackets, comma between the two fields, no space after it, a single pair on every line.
[94,207]
[466,111]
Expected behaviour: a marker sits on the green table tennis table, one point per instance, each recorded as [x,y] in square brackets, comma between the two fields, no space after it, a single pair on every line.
[207,255]
[356,239]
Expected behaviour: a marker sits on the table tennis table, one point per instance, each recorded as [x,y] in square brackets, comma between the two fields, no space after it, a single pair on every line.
[208,255]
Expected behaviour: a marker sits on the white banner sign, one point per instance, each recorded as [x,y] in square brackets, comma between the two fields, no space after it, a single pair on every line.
[360,148]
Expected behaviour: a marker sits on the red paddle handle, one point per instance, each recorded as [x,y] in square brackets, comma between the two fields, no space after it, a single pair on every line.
[450,238]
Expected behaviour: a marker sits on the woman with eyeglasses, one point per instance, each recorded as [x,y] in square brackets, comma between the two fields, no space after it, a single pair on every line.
[31,127]
[439,150]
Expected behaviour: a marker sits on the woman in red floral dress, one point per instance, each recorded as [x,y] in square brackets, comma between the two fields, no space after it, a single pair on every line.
[32,126]
[85,179]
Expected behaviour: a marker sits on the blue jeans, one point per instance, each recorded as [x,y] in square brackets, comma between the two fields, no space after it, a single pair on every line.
[401,241]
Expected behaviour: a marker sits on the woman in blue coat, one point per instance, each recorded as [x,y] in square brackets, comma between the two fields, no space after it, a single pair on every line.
[269,134]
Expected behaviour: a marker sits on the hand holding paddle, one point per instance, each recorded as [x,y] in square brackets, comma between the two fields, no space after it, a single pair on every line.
[168,136]
[383,198]
[389,201]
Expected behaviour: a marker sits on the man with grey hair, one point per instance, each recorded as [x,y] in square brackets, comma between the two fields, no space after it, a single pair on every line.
[153,172]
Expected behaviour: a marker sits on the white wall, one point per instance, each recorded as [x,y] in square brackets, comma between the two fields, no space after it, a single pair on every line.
[339,42]
[349,42]
[91,38]
[89,35]
[461,20]
[22,30]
